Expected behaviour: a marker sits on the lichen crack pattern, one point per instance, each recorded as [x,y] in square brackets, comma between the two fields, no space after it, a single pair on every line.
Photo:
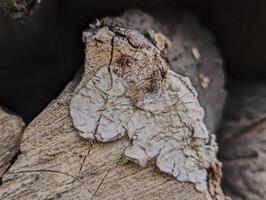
[137,95]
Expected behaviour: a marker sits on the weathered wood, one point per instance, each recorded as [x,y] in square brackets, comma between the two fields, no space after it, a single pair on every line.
[11,127]
[243,135]
[56,163]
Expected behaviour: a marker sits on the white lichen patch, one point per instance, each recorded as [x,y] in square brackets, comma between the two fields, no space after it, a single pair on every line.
[134,93]
[203,81]
[159,39]
[195,52]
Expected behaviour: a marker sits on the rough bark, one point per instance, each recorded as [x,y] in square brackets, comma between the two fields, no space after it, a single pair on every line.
[243,136]
[11,127]
[56,163]
[16,9]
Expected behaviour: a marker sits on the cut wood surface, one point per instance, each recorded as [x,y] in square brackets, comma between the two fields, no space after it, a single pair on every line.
[11,127]
[55,163]
[243,143]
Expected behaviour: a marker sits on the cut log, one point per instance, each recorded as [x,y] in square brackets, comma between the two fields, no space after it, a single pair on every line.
[11,127]
[56,163]
[243,137]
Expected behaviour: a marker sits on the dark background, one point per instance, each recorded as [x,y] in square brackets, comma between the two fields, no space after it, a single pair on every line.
[40,52]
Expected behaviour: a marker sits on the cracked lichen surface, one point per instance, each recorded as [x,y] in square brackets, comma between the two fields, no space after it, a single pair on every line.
[128,89]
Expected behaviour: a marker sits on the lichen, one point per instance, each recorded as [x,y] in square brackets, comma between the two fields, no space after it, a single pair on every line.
[159,39]
[128,89]
[203,81]
[195,52]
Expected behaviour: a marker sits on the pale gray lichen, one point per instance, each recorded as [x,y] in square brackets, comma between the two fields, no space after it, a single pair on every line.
[195,52]
[159,39]
[136,94]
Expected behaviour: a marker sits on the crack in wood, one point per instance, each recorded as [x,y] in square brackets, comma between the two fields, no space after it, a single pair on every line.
[107,173]
[83,161]
[53,171]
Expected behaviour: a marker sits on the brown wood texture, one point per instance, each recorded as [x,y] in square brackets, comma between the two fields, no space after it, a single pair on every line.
[11,127]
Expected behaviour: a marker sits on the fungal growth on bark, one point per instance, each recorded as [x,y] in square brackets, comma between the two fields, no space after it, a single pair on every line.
[128,89]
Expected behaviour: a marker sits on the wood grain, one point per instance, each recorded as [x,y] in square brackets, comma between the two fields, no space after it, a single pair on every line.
[11,127]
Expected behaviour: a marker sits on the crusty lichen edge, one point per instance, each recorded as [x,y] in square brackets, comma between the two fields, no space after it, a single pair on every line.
[190,159]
